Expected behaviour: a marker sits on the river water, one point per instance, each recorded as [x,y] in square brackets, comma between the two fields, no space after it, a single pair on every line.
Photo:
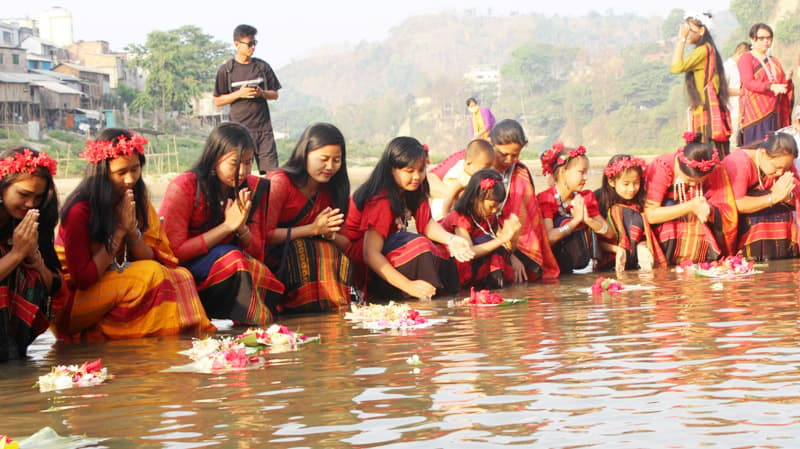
[695,362]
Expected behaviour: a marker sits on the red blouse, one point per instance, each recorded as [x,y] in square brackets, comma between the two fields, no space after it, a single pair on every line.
[186,218]
[549,205]
[286,202]
[377,215]
[454,220]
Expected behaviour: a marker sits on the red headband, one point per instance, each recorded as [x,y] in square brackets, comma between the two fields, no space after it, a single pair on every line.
[552,158]
[703,166]
[487,183]
[97,151]
[26,162]
[621,165]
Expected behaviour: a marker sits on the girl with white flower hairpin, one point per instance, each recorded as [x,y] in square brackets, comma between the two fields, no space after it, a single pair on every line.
[690,203]
[621,200]
[570,212]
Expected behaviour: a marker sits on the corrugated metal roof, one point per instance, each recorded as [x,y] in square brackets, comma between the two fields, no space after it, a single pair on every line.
[14,77]
[57,75]
[57,87]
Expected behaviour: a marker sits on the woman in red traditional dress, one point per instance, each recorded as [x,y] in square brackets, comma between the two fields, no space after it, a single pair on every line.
[215,216]
[690,203]
[532,259]
[29,267]
[308,201]
[121,275]
[476,218]
[763,182]
[706,84]
[392,261]
[765,101]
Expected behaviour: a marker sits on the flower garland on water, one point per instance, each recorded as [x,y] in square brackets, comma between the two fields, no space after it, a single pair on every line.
[62,377]
[603,284]
[275,335]
[389,316]
[728,266]
[482,297]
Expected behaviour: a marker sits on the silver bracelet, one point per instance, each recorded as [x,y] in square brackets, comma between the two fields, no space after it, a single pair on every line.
[138,237]
[604,229]
[564,229]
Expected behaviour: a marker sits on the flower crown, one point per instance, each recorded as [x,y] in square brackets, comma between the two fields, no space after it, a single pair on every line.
[552,158]
[703,166]
[26,162]
[487,183]
[97,151]
[623,164]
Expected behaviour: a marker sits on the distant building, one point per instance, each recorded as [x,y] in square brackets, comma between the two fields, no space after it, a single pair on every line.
[482,74]
[98,55]
[9,34]
[41,50]
[55,25]
[13,59]
[97,83]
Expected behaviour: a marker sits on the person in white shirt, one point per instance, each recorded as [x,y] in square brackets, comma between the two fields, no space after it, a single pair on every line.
[734,86]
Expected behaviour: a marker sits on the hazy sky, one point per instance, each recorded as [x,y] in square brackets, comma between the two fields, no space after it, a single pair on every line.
[289,29]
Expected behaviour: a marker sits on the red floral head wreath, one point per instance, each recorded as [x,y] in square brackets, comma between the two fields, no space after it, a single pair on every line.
[704,166]
[553,158]
[97,151]
[26,162]
[487,183]
[621,165]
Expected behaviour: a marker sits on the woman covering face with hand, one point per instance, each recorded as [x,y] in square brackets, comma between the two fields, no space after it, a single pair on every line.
[121,274]
[28,263]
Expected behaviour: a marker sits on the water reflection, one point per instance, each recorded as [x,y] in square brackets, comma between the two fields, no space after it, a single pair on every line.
[684,365]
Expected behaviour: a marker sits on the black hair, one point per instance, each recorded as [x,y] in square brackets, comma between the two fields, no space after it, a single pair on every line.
[698,151]
[224,138]
[508,131]
[467,204]
[742,47]
[471,100]
[244,31]
[691,88]
[318,135]
[607,196]
[401,152]
[96,188]
[778,144]
[553,164]
[48,209]
[753,33]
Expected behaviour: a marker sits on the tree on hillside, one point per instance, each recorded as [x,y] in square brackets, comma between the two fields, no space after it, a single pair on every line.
[669,29]
[180,65]
[541,66]
[749,12]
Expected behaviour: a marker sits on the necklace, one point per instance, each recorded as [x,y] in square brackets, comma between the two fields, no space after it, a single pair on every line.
[489,232]
[402,222]
[680,190]
[563,208]
[121,266]
[758,171]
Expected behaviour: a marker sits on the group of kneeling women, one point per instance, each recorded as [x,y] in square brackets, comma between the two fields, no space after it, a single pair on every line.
[230,245]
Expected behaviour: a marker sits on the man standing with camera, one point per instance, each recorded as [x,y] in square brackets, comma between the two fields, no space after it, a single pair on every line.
[246,83]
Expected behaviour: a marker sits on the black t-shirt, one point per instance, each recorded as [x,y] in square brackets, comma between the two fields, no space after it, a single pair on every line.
[253,113]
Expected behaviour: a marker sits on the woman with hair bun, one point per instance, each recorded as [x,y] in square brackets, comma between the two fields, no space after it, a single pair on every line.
[690,203]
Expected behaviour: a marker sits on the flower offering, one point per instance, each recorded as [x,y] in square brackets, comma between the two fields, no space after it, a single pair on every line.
[603,284]
[730,266]
[275,336]
[62,377]
[389,316]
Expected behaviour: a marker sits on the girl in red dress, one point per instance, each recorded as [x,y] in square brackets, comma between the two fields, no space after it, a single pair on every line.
[570,213]
[215,216]
[308,200]
[690,203]
[621,200]
[392,260]
[476,218]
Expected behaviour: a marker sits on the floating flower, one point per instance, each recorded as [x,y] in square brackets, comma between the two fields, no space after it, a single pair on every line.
[389,316]
[414,360]
[63,377]
[483,297]
[726,267]
[603,284]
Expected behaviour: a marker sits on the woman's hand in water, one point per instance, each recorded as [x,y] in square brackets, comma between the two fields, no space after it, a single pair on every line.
[420,289]
[520,275]
[460,248]
[621,259]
